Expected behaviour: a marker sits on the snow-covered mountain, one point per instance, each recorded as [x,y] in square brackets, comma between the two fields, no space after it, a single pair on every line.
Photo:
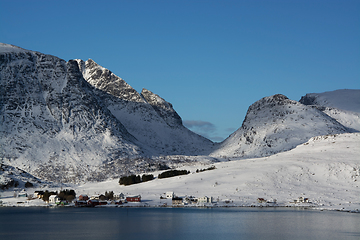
[11,177]
[276,124]
[57,126]
[147,116]
[77,121]
[342,105]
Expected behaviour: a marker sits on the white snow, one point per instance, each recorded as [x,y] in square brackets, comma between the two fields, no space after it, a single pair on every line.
[342,105]
[7,48]
[326,169]
[345,99]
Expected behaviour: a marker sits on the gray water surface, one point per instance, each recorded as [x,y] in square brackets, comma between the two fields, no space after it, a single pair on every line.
[176,223]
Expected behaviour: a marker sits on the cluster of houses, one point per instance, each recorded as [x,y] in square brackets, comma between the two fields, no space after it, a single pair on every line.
[301,200]
[166,199]
[187,200]
[86,201]
[95,200]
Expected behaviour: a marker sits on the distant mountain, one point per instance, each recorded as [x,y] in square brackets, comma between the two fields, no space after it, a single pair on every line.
[342,105]
[276,124]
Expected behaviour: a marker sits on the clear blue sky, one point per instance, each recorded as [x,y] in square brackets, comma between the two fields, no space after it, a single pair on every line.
[210,59]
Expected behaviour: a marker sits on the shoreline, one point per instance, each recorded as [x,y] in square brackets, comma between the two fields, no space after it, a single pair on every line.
[311,207]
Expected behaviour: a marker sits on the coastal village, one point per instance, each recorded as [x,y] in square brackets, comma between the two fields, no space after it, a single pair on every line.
[110,199]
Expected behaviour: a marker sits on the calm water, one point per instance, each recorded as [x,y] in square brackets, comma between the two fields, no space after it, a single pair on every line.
[176,223]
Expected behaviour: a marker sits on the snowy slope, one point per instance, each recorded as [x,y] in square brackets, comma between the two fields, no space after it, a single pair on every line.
[60,127]
[11,177]
[275,124]
[326,169]
[342,105]
[147,116]
[52,125]
[76,121]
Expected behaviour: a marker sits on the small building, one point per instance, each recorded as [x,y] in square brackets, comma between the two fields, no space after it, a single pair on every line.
[95,197]
[177,201]
[190,200]
[39,194]
[120,196]
[272,201]
[261,200]
[22,193]
[170,195]
[301,200]
[83,197]
[92,202]
[133,198]
[205,199]
[80,203]
[54,199]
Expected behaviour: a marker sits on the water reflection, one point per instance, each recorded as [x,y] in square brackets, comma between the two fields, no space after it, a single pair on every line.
[177,223]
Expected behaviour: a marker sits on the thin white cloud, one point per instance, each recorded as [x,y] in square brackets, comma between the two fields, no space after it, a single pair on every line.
[203,128]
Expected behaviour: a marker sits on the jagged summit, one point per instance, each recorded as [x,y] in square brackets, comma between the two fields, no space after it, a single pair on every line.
[105,80]
[162,107]
[274,124]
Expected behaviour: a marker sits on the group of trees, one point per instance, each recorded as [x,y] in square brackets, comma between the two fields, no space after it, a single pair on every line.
[132,179]
[173,173]
[108,196]
[206,169]
[47,194]
[66,194]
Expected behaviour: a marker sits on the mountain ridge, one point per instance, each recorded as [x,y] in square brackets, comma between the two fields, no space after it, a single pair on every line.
[77,121]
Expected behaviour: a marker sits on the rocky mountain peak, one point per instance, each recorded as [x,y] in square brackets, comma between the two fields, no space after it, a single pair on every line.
[103,79]
[274,124]
[162,107]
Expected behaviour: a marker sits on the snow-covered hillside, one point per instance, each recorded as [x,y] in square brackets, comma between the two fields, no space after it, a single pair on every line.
[326,169]
[276,124]
[59,127]
[342,105]
[51,124]
[147,116]
[77,121]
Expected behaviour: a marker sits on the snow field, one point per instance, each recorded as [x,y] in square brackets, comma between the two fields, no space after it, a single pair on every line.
[325,169]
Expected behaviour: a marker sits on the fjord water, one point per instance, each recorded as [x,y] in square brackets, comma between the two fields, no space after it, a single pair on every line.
[176,223]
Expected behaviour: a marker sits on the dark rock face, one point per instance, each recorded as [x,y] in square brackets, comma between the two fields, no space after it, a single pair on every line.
[308,100]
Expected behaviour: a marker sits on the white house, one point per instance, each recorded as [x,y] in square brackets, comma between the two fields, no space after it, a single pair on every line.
[95,197]
[205,199]
[170,195]
[54,199]
[120,196]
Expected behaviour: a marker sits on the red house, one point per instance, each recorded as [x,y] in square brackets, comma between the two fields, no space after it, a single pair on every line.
[134,198]
[83,198]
